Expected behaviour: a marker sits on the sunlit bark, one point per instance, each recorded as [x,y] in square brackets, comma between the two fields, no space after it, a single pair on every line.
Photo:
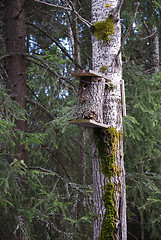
[104,54]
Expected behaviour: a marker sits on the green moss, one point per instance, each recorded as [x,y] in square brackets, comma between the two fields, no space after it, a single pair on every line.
[107,144]
[103,68]
[109,86]
[108,225]
[103,29]
[107,141]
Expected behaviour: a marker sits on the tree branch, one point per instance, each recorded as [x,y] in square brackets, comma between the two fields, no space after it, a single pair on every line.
[74,185]
[5,56]
[147,28]
[41,107]
[149,36]
[145,24]
[77,14]
[57,44]
[88,24]
[46,66]
[128,32]
[116,11]
[56,156]
[10,55]
[53,5]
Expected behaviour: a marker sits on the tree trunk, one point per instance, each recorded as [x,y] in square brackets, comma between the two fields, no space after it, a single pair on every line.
[154,50]
[90,99]
[76,48]
[108,164]
[142,224]
[15,63]
[74,35]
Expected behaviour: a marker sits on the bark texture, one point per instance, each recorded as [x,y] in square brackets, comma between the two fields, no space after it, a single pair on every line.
[15,63]
[90,99]
[104,56]
[154,49]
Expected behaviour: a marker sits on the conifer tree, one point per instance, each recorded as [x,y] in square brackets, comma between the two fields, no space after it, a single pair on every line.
[15,61]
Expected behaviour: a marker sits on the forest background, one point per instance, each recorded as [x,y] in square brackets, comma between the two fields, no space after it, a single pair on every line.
[48,193]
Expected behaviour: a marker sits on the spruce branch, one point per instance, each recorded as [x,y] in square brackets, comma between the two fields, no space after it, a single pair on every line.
[57,44]
[56,157]
[41,108]
[44,65]
[76,186]
[149,36]
[35,95]
[10,55]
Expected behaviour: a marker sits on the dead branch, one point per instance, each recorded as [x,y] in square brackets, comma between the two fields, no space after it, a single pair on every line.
[149,36]
[53,5]
[128,32]
[77,14]
[88,24]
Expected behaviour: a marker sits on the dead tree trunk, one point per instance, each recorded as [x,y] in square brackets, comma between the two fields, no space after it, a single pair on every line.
[108,164]
[15,63]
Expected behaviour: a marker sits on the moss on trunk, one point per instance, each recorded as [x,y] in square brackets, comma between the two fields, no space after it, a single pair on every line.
[103,29]
[107,145]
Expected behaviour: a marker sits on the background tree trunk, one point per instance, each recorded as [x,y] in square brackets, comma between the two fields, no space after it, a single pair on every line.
[154,50]
[104,57]
[15,63]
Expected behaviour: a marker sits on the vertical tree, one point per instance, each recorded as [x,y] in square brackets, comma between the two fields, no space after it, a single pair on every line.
[154,49]
[15,62]
[108,164]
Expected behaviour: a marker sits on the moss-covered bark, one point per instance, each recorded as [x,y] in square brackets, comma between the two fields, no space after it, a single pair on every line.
[107,144]
[103,29]
[107,152]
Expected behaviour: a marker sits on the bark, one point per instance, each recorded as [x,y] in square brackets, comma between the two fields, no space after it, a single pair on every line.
[15,63]
[104,54]
[81,207]
[76,48]
[154,50]
[83,159]
[90,99]
[142,224]
[74,37]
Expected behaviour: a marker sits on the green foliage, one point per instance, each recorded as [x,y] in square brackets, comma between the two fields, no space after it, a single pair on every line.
[142,150]
[103,29]
[26,200]
[43,203]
